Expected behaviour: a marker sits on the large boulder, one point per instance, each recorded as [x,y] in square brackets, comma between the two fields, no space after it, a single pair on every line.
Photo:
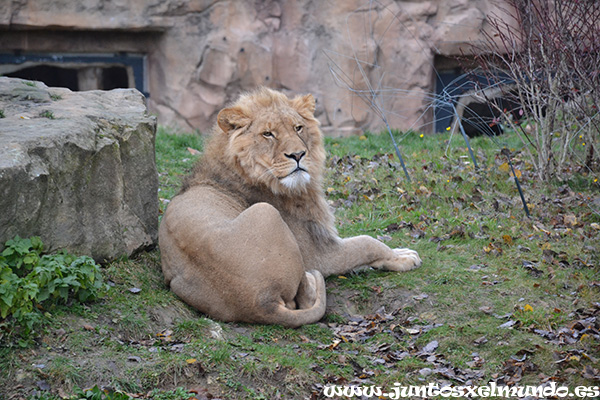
[77,169]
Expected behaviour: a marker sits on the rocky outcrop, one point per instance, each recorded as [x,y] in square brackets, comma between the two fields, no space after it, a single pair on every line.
[77,169]
[202,53]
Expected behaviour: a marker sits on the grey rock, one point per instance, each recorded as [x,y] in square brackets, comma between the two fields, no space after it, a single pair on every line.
[77,169]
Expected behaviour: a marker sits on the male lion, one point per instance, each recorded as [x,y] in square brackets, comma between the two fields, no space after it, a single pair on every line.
[250,235]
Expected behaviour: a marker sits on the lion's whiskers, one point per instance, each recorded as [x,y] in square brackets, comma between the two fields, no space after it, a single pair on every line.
[269,171]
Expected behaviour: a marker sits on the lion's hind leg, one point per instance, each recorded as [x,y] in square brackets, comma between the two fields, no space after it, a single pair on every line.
[310,300]
[308,294]
[260,247]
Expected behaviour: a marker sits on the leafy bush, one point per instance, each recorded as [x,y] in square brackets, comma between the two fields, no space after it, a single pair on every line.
[32,282]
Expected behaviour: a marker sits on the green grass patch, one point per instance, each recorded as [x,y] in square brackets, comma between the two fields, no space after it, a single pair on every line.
[175,157]
[498,292]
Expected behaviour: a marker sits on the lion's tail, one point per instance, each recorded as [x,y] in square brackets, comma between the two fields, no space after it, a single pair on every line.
[302,316]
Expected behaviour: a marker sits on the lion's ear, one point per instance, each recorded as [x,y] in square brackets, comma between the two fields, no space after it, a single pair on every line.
[232,118]
[305,105]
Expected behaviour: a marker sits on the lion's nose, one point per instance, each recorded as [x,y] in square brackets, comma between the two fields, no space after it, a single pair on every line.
[296,156]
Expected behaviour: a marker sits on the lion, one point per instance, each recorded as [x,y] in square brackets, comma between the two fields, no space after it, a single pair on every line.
[250,236]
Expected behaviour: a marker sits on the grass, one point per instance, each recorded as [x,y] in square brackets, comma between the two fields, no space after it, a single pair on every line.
[485,265]
[174,161]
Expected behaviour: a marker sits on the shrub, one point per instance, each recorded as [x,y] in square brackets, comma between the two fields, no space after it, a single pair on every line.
[548,53]
[32,283]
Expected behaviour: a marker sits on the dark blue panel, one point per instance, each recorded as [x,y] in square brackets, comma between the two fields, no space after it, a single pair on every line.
[135,61]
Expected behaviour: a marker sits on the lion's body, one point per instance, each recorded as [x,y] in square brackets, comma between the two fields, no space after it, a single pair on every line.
[250,235]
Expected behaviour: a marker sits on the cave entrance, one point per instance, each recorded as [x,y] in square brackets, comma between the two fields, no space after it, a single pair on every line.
[78,72]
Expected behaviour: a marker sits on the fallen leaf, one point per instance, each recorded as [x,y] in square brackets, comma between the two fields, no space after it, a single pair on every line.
[177,348]
[486,309]
[423,190]
[165,335]
[591,373]
[377,289]
[458,232]
[508,324]
[570,220]
[492,249]
[201,393]
[393,227]
[480,341]
[531,268]
[430,347]
[417,233]
[504,167]
[193,151]
[384,238]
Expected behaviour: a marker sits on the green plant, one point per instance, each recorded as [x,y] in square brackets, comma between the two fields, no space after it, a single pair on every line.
[47,114]
[176,394]
[43,396]
[32,282]
[96,393]
[2,114]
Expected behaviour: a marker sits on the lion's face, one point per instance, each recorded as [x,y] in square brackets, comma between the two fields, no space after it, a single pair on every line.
[275,142]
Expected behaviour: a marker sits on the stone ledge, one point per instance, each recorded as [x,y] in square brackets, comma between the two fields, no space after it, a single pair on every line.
[77,169]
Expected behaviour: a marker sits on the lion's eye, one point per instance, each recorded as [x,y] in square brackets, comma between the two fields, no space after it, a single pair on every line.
[298,128]
[268,134]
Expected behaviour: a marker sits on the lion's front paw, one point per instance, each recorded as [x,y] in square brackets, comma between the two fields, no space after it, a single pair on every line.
[405,260]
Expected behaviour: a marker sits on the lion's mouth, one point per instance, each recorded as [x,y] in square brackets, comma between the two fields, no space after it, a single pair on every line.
[296,179]
[298,169]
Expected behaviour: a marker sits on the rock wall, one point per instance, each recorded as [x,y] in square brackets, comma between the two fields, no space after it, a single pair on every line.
[202,53]
[77,169]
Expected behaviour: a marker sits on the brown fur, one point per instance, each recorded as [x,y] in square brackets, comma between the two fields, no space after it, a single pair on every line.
[250,235]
